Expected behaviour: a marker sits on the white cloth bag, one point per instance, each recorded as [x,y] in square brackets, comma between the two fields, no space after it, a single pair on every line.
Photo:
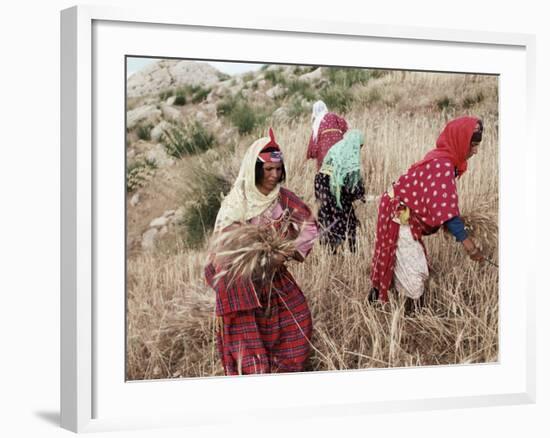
[411,266]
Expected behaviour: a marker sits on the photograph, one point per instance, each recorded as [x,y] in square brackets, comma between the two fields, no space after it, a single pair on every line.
[289,218]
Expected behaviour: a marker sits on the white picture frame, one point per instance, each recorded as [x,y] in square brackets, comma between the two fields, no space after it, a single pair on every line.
[93,391]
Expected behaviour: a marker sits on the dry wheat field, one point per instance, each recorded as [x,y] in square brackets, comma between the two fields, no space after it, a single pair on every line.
[170,309]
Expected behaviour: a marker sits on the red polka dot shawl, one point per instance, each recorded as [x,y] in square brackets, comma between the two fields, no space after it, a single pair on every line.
[428,189]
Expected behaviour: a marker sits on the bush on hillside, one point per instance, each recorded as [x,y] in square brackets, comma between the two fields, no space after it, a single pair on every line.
[163,95]
[225,107]
[296,109]
[242,115]
[337,98]
[275,76]
[144,132]
[472,99]
[246,118]
[303,88]
[200,215]
[199,94]
[138,173]
[445,102]
[181,140]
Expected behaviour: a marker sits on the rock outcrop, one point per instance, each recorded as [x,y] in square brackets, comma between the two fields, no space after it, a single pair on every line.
[169,74]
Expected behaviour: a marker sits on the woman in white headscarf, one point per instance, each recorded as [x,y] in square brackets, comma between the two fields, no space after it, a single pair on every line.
[265,325]
[327,129]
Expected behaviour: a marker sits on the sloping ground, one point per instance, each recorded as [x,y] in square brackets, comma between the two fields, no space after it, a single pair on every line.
[170,308]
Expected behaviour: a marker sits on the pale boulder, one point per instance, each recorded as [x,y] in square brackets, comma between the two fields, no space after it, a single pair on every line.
[149,238]
[148,114]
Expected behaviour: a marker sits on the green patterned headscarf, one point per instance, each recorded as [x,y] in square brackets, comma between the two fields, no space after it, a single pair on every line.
[344,160]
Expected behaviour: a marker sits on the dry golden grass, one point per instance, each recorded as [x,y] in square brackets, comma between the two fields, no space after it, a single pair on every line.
[170,309]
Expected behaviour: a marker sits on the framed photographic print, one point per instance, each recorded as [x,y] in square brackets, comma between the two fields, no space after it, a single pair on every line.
[274,207]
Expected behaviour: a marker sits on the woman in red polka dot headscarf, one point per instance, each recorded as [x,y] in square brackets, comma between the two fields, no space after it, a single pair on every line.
[418,204]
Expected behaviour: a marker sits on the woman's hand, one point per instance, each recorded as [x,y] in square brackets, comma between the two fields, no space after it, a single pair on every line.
[279,259]
[473,251]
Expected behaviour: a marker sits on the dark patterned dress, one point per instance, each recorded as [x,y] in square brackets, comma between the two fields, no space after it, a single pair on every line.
[337,224]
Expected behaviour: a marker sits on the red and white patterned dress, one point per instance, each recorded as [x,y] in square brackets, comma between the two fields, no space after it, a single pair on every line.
[331,131]
[426,195]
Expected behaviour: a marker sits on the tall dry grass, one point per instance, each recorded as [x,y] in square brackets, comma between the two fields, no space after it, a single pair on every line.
[170,309]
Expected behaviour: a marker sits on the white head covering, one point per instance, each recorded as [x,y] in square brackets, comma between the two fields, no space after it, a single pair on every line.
[319,111]
[245,201]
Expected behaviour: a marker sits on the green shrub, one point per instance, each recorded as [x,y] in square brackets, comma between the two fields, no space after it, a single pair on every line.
[144,132]
[163,95]
[310,94]
[181,97]
[242,115]
[275,76]
[200,216]
[375,74]
[223,76]
[373,96]
[346,77]
[296,110]
[187,140]
[246,118]
[225,107]
[471,100]
[297,86]
[445,102]
[138,173]
[194,93]
[199,94]
[300,87]
[337,98]
[180,100]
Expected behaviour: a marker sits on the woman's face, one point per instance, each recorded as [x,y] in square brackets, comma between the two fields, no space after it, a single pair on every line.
[474,145]
[271,177]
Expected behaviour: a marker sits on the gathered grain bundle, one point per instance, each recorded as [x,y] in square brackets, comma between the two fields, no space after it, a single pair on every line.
[482,223]
[248,251]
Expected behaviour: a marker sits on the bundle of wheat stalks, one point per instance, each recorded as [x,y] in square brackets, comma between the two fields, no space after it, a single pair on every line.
[482,223]
[248,251]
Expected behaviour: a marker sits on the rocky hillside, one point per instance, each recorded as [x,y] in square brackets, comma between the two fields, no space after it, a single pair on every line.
[182,108]
[183,116]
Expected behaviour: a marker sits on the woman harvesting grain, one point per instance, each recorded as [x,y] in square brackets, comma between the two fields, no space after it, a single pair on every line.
[327,129]
[418,204]
[265,323]
[337,185]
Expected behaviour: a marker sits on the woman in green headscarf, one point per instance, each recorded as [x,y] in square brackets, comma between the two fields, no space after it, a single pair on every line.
[337,185]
